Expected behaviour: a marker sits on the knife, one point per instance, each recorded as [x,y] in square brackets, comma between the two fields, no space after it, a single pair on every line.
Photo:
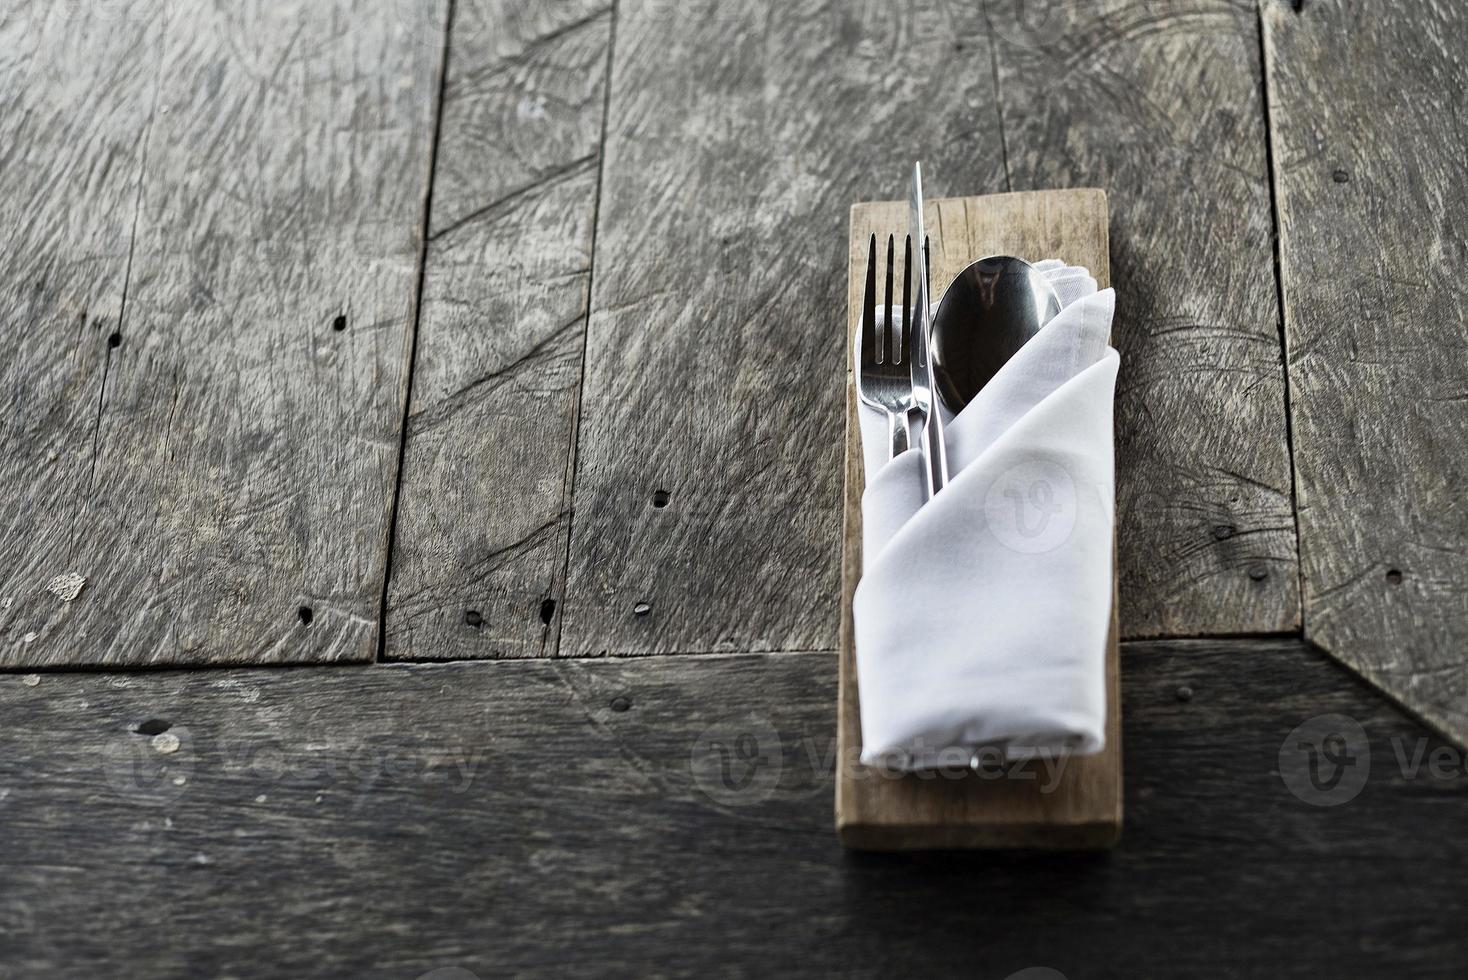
[935,460]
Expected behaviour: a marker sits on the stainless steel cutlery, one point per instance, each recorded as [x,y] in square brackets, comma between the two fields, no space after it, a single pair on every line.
[919,365]
[935,460]
[987,314]
[884,379]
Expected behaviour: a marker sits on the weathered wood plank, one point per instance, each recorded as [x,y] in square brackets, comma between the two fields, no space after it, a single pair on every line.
[1082,809]
[572,818]
[75,92]
[1366,104]
[522,101]
[707,493]
[229,499]
[1160,104]
[484,511]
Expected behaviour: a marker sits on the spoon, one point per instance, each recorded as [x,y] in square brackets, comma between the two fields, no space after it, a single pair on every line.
[990,310]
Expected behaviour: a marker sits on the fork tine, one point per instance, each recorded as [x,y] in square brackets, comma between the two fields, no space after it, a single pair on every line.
[894,339]
[928,268]
[907,300]
[870,354]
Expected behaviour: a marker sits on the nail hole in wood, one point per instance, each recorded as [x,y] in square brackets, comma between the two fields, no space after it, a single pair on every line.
[472,618]
[114,339]
[620,704]
[339,324]
[153,726]
[1223,532]
[306,615]
[642,609]
[1184,693]
[1340,176]
[547,611]
[660,498]
[1394,576]
[1258,573]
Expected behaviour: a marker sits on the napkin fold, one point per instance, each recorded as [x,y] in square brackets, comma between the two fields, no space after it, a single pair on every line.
[981,618]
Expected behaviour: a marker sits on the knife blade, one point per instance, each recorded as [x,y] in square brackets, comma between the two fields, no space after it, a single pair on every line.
[935,460]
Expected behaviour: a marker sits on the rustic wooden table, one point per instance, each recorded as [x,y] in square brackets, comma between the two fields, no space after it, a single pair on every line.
[364,336]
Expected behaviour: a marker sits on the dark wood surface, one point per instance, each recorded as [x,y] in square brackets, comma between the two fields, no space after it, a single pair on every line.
[585,402]
[1372,164]
[571,818]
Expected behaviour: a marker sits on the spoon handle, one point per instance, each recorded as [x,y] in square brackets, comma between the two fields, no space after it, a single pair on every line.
[935,459]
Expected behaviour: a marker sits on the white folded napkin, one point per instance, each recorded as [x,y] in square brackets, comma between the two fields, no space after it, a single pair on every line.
[982,616]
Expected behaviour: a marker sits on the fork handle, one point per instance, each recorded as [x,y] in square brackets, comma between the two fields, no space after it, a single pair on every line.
[897,425]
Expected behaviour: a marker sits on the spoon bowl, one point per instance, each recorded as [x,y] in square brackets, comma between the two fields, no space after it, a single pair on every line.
[987,314]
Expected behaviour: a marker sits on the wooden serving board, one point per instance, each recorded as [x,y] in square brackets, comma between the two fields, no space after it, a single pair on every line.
[885,811]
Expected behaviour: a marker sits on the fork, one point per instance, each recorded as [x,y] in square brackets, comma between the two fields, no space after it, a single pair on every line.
[884,379]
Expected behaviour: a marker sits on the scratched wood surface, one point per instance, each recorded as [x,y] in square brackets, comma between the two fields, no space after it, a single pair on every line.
[743,553]
[207,406]
[591,818]
[68,193]
[1373,207]
[479,551]
[1160,104]
[708,477]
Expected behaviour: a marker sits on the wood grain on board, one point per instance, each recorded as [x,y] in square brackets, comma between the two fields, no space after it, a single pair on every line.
[881,811]
[209,377]
[1160,104]
[591,817]
[484,510]
[1366,104]
[68,194]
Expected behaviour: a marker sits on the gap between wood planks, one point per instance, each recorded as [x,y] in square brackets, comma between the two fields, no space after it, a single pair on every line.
[1240,641]
[569,482]
[407,393]
[1284,348]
